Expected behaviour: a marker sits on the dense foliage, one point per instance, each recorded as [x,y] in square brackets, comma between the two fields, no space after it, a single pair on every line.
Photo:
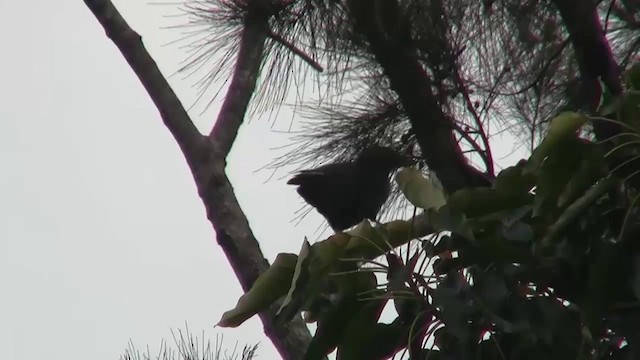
[542,265]
[538,261]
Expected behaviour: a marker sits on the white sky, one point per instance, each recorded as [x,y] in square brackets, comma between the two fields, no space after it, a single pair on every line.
[103,237]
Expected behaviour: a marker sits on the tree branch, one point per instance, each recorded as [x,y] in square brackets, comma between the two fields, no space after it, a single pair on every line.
[243,84]
[130,45]
[206,155]
[593,54]
[596,62]
[387,30]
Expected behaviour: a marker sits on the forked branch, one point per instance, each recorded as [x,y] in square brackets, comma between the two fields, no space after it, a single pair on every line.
[206,154]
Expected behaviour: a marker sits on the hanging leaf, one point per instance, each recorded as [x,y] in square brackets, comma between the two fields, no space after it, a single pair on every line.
[333,322]
[554,175]
[419,190]
[448,219]
[518,232]
[575,210]
[453,298]
[267,289]
[513,180]
[632,77]
[360,331]
[563,127]
[591,167]
[484,201]
[300,285]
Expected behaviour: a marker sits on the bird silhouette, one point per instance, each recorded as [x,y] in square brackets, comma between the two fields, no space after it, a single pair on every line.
[345,193]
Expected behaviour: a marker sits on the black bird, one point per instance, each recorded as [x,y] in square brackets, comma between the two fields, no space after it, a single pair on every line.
[345,193]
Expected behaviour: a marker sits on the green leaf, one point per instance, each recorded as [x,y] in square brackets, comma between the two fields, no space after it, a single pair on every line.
[632,77]
[629,110]
[333,322]
[452,297]
[315,263]
[330,328]
[555,173]
[364,230]
[484,201]
[267,289]
[369,242]
[420,190]
[490,287]
[299,286]
[495,248]
[513,180]
[563,127]
[589,169]
[575,210]
[610,103]
[407,301]
[625,107]
[518,232]
[388,339]
[328,252]
[558,327]
[381,341]
[361,329]
[448,219]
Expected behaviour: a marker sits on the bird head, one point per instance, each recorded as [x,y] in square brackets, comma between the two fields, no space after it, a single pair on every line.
[383,158]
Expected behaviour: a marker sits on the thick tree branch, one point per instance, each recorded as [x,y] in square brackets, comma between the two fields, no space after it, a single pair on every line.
[590,44]
[243,84]
[206,155]
[440,20]
[387,31]
[130,45]
[593,55]
[596,62]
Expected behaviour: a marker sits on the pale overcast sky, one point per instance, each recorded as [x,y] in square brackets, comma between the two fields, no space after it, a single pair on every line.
[103,237]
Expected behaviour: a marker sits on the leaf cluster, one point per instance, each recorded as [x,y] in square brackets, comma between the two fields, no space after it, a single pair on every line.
[542,265]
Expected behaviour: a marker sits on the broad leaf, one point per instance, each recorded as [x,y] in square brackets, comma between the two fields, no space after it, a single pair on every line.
[299,286]
[419,190]
[563,127]
[333,322]
[267,289]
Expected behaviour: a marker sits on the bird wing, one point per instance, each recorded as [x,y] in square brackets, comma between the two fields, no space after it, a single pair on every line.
[315,187]
[325,189]
[345,193]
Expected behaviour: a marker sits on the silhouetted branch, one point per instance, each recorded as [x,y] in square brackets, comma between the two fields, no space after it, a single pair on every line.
[301,54]
[592,50]
[388,33]
[206,155]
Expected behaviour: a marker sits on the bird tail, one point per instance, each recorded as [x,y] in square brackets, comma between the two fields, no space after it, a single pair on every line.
[306,177]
